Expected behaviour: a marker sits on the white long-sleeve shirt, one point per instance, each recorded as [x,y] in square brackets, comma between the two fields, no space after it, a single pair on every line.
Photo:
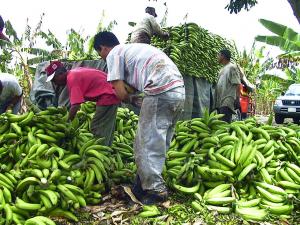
[149,26]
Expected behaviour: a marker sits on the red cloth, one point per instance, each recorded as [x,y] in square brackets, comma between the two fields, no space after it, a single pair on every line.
[243,90]
[244,102]
[85,84]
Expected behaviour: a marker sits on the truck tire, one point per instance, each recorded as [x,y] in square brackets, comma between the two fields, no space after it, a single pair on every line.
[279,119]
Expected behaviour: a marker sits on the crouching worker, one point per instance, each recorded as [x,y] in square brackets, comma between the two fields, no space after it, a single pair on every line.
[10,93]
[86,84]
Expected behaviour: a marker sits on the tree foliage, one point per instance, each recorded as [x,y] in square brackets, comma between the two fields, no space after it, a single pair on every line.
[236,6]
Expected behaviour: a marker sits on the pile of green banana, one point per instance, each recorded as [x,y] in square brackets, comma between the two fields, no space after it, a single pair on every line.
[244,167]
[122,156]
[50,167]
[126,125]
[194,50]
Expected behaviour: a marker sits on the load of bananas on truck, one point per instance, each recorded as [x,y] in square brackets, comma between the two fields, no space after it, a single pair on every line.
[242,167]
[194,50]
[50,167]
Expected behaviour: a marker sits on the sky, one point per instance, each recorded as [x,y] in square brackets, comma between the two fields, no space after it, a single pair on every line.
[84,16]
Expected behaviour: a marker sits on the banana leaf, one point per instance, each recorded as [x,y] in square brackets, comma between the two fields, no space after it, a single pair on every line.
[4,43]
[280,42]
[292,56]
[277,79]
[285,83]
[37,51]
[281,30]
[35,60]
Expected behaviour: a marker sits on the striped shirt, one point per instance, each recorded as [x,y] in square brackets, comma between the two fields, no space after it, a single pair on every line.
[143,67]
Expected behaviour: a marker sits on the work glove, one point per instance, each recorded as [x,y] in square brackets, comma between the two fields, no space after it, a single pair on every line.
[237,103]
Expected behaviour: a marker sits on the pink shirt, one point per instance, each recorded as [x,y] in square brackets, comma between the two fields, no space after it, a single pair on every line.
[86,84]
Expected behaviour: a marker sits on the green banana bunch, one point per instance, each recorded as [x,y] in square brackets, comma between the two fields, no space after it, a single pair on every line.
[149,211]
[191,48]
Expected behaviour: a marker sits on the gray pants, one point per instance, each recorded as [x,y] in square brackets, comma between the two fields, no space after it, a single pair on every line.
[15,109]
[103,123]
[140,37]
[158,117]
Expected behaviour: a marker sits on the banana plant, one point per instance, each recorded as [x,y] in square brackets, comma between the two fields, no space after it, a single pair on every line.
[285,38]
[254,63]
[17,54]
[101,27]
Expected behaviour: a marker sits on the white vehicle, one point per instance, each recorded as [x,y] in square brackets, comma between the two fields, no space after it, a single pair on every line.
[288,105]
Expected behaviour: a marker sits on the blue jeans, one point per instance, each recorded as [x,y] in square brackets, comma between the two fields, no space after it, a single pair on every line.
[15,110]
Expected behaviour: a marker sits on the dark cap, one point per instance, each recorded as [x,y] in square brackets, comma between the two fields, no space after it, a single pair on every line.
[151,10]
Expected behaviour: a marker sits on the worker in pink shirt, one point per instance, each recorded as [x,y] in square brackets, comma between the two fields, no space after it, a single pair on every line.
[86,84]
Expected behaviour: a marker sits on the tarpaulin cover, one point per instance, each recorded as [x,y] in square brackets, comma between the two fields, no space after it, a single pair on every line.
[198,96]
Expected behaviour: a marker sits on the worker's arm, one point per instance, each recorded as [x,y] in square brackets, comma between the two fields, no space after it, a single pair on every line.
[73,111]
[235,80]
[16,91]
[122,92]
[120,89]
[14,101]
[157,29]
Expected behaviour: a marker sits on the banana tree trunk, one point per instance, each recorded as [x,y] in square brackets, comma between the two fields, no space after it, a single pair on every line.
[295,4]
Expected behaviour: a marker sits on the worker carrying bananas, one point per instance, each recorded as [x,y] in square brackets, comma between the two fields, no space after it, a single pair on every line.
[10,93]
[86,84]
[146,28]
[2,25]
[227,91]
[150,71]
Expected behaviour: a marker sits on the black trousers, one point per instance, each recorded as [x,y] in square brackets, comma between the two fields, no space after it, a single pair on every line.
[227,114]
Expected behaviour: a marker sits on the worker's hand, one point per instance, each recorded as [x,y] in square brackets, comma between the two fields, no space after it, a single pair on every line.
[136,100]
[166,36]
[129,89]
[9,107]
[237,103]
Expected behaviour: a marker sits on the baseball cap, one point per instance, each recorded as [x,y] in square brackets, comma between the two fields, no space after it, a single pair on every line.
[51,69]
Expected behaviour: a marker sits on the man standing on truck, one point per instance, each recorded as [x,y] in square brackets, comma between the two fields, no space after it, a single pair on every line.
[148,27]
[227,92]
[150,71]
[10,93]
[86,84]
